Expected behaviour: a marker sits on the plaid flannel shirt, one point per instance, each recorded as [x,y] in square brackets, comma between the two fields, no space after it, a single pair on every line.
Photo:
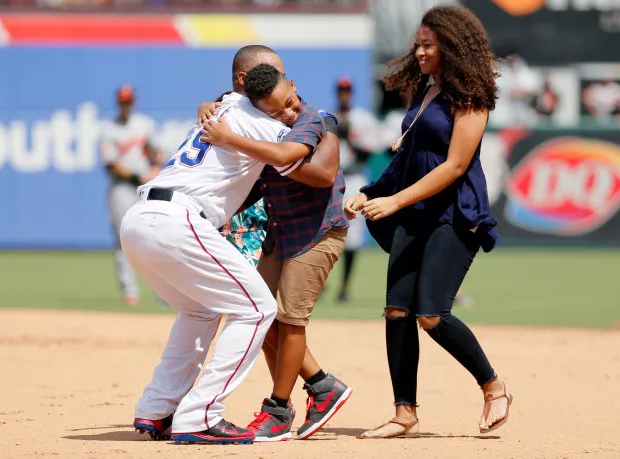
[300,215]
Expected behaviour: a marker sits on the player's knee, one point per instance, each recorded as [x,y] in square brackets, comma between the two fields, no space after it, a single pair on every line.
[394,313]
[428,322]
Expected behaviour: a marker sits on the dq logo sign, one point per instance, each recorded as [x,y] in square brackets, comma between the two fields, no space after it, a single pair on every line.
[567,186]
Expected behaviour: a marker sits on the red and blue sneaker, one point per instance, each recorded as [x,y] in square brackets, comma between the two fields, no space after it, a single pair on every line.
[325,398]
[272,423]
[158,430]
[221,433]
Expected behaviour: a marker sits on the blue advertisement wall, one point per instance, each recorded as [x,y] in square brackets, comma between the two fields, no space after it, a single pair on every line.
[52,101]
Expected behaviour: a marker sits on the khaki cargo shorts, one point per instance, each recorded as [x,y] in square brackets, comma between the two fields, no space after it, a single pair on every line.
[296,283]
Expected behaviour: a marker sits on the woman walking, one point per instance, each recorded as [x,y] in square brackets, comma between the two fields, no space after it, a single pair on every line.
[430,209]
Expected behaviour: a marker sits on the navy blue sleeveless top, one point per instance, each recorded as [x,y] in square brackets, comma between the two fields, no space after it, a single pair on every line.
[464,204]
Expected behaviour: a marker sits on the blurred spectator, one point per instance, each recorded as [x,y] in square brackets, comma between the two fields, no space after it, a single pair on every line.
[358,131]
[392,110]
[547,100]
[395,23]
[268,2]
[67,4]
[602,99]
[518,86]
[617,113]
[81,4]
[463,301]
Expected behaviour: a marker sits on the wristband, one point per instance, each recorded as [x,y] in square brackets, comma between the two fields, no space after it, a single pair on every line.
[325,114]
[331,125]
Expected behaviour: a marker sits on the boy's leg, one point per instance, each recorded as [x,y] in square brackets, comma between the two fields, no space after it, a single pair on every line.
[270,269]
[301,282]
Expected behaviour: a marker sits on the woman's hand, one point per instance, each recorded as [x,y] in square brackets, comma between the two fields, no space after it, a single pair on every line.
[354,204]
[378,208]
[207,110]
[215,132]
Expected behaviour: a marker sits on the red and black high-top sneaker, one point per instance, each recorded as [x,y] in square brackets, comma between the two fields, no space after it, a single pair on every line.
[272,423]
[325,398]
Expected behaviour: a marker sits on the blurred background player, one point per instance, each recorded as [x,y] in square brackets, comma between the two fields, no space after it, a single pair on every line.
[359,138]
[131,159]
[519,85]
[392,110]
[602,99]
[546,102]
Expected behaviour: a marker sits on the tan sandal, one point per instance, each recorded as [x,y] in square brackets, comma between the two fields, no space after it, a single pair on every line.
[413,427]
[502,421]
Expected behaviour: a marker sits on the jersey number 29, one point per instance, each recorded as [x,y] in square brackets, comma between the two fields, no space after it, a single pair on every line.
[190,155]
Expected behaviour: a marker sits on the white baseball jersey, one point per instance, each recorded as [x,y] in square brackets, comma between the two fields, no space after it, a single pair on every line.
[124,144]
[219,178]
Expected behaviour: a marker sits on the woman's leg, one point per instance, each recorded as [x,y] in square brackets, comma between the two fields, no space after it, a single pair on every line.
[403,352]
[401,333]
[446,260]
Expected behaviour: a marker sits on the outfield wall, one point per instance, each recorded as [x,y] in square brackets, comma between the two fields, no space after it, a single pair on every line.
[60,73]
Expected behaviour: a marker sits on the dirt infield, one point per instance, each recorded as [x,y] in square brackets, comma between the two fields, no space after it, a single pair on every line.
[70,381]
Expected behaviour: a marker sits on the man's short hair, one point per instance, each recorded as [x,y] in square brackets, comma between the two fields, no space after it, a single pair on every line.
[261,81]
[247,56]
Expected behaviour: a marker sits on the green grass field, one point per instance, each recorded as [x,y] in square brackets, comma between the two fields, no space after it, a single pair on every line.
[509,286]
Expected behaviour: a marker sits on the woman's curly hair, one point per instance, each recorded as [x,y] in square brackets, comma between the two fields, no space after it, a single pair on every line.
[467,66]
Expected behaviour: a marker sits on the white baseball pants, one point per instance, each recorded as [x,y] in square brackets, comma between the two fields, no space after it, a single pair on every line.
[198,272]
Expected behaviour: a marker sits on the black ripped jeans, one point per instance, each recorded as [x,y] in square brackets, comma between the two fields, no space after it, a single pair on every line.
[426,268]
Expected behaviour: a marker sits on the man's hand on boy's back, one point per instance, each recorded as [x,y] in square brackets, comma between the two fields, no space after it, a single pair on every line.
[207,110]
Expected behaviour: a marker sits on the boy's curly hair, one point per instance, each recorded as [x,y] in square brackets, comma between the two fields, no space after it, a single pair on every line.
[467,66]
[260,81]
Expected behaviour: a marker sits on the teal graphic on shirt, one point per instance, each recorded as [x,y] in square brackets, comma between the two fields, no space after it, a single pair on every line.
[246,231]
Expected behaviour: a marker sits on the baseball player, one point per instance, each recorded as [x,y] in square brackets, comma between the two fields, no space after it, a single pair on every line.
[359,139]
[131,159]
[171,239]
